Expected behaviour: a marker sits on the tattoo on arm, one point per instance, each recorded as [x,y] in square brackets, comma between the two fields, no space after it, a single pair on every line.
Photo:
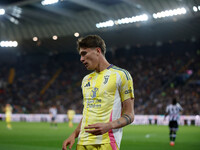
[128,118]
[127,121]
[118,122]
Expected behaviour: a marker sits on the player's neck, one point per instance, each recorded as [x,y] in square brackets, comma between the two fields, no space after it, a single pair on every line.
[103,64]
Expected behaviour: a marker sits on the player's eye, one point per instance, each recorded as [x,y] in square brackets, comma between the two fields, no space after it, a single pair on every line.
[83,53]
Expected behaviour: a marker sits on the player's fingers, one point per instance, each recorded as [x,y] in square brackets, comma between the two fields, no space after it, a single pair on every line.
[97,133]
[92,131]
[65,143]
[90,126]
[64,147]
[71,144]
[95,125]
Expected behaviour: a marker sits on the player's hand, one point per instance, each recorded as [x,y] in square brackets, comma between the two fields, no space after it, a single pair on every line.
[98,128]
[70,141]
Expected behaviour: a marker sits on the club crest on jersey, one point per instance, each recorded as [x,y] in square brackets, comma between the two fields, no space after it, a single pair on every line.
[93,93]
[89,78]
[106,79]
[87,85]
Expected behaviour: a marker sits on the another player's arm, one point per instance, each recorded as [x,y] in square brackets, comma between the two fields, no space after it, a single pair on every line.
[71,139]
[166,113]
[126,118]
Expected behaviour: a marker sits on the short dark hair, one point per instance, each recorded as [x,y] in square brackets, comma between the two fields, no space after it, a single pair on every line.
[92,41]
[174,101]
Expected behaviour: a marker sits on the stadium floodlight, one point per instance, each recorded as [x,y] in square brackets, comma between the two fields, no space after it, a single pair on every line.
[108,23]
[35,39]
[199,8]
[127,20]
[155,16]
[8,44]
[55,37]
[143,17]
[195,8]
[49,2]
[169,13]
[76,34]
[2,11]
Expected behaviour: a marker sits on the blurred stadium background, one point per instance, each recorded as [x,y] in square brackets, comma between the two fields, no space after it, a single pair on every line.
[157,41]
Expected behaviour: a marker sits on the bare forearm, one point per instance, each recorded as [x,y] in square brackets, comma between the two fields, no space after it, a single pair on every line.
[71,140]
[126,119]
[77,130]
[127,115]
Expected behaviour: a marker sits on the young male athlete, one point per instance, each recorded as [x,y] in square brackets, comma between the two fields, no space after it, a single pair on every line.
[107,97]
[70,115]
[53,115]
[173,110]
[8,115]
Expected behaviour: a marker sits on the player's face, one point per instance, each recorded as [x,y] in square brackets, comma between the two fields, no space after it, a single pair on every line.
[89,57]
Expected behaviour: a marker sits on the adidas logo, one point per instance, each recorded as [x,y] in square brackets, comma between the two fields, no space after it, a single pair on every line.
[87,85]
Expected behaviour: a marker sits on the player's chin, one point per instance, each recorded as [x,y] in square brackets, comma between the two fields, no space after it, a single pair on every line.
[89,68]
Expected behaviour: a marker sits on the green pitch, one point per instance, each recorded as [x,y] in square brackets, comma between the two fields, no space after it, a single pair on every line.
[40,136]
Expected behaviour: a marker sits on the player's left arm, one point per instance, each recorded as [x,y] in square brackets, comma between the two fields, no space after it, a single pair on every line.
[127,115]
[126,119]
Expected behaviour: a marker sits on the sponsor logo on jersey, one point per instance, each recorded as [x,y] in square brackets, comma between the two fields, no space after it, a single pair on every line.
[106,79]
[93,93]
[128,91]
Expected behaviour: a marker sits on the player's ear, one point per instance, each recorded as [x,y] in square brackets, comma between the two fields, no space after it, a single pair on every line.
[98,49]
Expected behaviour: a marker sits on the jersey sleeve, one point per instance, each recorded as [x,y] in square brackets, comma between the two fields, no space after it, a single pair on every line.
[126,87]
[82,87]
[83,82]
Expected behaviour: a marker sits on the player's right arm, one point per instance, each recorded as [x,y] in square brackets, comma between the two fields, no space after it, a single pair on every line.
[71,139]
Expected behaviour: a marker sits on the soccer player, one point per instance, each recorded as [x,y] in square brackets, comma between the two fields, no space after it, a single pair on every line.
[53,115]
[173,110]
[8,114]
[108,99]
[70,115]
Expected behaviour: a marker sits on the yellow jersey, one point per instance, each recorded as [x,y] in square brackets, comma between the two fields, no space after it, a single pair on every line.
[103,94]
[70,114]
[8,111]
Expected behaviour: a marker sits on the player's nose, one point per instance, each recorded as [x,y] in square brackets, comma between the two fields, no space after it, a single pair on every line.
[82,59]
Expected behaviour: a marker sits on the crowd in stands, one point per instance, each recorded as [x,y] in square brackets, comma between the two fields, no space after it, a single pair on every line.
[159,74]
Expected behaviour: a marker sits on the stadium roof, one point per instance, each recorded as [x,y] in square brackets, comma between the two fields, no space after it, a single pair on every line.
[25,19]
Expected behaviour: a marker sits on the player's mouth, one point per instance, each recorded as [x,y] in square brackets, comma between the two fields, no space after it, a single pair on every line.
[86,64]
